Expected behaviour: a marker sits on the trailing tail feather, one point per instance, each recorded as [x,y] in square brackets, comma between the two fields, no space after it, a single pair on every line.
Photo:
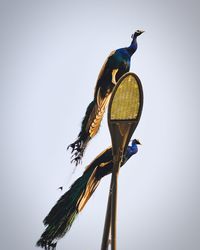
[62,215]
[90,126]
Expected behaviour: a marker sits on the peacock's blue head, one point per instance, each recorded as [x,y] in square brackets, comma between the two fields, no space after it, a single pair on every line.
[135,141]
[131,149]
[137,33]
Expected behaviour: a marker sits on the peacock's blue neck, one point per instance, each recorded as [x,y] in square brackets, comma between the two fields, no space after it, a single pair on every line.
[133,46]
[131,150]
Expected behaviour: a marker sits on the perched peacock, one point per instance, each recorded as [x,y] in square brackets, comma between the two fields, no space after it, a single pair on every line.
[116,65]
[62,215]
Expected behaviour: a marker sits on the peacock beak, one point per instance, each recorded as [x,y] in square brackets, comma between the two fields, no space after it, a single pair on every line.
[137,33]
[138,142]
[141,31]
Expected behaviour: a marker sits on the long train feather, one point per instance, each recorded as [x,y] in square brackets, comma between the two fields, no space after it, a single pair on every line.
[62,215]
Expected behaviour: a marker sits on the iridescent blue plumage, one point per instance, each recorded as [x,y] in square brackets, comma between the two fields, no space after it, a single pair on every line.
[115,66]
[131,150]
[62,215]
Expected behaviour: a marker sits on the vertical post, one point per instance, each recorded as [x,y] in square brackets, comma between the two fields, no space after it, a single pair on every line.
[116,166]
[106,232]
[111,213]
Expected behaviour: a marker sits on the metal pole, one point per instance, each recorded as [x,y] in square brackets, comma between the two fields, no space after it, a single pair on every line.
[106,232]
[116,166]
[111,213]
[108,218]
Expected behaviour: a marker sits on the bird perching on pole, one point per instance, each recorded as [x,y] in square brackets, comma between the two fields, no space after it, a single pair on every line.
[115,66]
[124,113]
[63,214]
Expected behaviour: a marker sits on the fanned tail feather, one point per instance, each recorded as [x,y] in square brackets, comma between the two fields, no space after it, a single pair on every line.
[62,215]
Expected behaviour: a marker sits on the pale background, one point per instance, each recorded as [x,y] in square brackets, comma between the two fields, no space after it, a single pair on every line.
[51,53]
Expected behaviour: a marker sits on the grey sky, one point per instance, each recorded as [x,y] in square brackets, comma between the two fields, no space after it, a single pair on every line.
[51,54]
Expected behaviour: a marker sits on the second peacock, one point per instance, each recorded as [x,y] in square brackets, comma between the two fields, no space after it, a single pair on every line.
[62,215]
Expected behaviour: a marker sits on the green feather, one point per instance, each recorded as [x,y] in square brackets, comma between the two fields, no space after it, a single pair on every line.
[62,215]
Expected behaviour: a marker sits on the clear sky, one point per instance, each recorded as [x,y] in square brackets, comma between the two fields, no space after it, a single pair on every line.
[51,53]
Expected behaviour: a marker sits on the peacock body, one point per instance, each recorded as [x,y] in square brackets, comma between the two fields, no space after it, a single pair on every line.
[62,215]
[115,66]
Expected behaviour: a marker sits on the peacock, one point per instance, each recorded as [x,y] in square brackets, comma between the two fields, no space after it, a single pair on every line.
[62,215]
[115,66]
